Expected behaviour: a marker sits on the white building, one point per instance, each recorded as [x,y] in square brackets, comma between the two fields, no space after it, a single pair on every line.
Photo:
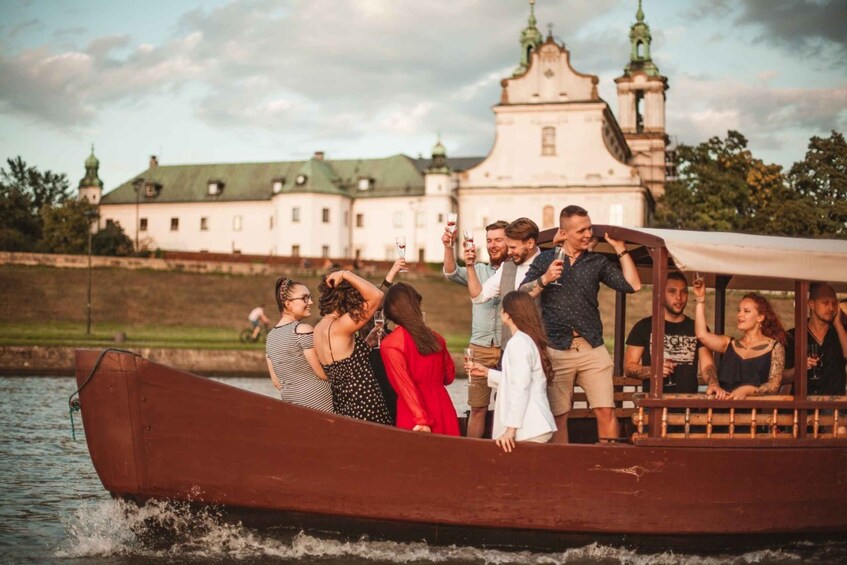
[557,143]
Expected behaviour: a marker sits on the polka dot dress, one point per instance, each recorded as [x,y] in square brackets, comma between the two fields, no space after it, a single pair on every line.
[355,390]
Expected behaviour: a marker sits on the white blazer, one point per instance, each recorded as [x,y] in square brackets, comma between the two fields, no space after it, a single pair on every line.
[521,391]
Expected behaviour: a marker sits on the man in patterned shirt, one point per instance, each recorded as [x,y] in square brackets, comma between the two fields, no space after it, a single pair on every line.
[571,314]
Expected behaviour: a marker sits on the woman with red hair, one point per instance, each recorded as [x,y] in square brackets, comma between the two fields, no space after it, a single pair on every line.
[752,365]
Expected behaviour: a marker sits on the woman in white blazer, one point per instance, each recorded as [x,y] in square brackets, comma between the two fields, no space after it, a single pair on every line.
[521,409]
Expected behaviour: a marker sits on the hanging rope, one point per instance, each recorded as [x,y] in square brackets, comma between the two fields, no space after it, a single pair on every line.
[73,403]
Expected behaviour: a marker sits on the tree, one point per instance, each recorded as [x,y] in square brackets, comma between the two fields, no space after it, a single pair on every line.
[24,191]
[112,240]
[822,178]
[65,227]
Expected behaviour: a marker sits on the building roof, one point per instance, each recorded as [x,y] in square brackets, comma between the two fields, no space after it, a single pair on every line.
[454,163]
[397,175]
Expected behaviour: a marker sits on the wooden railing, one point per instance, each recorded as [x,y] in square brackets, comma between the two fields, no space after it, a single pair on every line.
[694,419]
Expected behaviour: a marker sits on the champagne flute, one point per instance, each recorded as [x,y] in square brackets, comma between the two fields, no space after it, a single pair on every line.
[401,250]
[379,324]
[699,278]
[815,354]
[468,354]
[451,222]
[468,235]
[558,256]
[669,379]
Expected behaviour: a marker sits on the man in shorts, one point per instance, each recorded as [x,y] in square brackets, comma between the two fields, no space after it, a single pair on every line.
[486,325]
[571,314]
[255,316]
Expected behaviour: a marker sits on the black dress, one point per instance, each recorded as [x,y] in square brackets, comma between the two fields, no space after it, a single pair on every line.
[355,390]
[735,371]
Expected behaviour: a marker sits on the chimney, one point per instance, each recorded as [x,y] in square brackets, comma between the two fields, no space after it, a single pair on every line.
[319,155]
[154,162]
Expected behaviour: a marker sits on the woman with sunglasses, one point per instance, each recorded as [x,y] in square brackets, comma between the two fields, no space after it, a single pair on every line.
[292,362]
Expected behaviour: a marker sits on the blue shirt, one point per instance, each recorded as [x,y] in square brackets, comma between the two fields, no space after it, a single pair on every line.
[573,305]
[486,326]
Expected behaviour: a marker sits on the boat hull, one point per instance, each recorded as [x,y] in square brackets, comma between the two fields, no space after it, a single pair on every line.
[156,432]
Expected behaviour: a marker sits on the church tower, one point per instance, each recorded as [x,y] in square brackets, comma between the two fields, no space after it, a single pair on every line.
[641,108]
[91,187]
[530,40]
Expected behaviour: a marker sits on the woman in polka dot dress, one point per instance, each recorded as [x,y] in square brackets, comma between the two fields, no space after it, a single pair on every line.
[347,302]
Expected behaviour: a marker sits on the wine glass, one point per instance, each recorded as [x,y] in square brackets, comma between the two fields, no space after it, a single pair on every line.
[468,235]
[451,222]
[699,278]
[379,325]
[468,354]
[559,255]
[669,379]
[401,250]
[815,354]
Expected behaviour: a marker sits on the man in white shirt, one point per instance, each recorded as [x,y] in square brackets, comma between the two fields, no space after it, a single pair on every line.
[256,315]
[522,249]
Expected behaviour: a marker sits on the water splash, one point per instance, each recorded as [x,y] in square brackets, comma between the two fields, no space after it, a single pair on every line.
[115,528]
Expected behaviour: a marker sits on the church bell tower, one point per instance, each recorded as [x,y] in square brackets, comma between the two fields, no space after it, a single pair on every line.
[641,108]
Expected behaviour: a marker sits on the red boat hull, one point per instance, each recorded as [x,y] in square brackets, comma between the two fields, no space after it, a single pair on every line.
[156,432]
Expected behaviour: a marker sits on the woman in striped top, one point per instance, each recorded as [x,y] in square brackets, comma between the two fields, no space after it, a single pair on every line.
[292,362]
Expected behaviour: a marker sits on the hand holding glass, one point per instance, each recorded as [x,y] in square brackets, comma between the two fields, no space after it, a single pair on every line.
[451,222]
[379,326]
[670,366]
[468,235]
[559,256]
[815,355]
[401,250]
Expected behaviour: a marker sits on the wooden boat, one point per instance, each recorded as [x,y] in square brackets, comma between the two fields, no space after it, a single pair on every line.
[768,469]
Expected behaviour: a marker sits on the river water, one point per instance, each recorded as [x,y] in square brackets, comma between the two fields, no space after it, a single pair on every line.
[53,509]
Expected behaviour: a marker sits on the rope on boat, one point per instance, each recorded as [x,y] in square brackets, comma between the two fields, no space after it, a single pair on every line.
[73,403]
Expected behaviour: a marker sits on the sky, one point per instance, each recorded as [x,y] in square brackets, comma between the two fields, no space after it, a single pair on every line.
[208,81]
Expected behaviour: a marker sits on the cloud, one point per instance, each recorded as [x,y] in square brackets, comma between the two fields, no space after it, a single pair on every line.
[811,26]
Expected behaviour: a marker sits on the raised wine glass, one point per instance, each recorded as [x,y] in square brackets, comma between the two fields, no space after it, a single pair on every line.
[451,222]
[468,236]
[401,250]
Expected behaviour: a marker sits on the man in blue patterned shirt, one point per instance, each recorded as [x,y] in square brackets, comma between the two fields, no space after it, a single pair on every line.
[571,312]
[486,326]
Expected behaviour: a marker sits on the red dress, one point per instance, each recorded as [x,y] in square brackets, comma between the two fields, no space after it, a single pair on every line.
[419,381]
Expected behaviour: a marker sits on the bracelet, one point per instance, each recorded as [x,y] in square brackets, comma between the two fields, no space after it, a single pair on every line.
[624,252]
[386,284]
[698,301]
[541,283]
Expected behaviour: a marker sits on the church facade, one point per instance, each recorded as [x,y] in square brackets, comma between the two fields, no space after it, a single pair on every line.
[557,143]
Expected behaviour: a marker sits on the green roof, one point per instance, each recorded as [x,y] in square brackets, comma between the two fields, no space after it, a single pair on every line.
[389,176]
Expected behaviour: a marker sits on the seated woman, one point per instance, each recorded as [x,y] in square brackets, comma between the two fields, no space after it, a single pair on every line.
[418,366]
[521,409]
[292,362]
[347,302]
[753,364]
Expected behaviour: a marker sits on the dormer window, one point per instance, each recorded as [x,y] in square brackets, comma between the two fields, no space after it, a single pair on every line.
[277,184]
[215,187]
[151,189]
[366,183]
[301,180]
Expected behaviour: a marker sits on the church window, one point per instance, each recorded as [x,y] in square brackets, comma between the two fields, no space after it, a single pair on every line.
[295,250]
[325,215]
[236,223]
[142,224]
[324,250]
[548,140]
[639,117]
[360,220]
[295,215]
[204,224]
[174,224]
[547,217]
[440,218]
[639,50]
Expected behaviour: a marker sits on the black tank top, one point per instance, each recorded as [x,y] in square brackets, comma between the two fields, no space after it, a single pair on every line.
[735,371]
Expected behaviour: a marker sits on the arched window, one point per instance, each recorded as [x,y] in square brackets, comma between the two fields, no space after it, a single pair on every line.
[547,220]
[548,140]
[639,50]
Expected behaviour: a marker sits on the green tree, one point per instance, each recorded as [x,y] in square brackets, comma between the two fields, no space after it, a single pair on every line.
[822,179]
[65,227]
[112,240]
[24,191]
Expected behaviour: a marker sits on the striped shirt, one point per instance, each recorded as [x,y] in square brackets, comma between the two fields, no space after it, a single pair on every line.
[300,384]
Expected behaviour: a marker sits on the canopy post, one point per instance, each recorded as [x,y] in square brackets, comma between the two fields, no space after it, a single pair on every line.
[620,330]
[721,282]
[801,329]
[657,343]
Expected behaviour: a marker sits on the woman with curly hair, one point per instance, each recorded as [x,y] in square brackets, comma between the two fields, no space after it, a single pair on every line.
[347,302]
[418,366]
[521,409]
[293,365]
[752,365]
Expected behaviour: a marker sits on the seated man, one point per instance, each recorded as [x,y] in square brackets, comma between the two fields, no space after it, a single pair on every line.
[826,342]
[255,316]
[683,352]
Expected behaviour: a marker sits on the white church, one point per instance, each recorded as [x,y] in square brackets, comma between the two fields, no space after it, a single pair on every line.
[557,143]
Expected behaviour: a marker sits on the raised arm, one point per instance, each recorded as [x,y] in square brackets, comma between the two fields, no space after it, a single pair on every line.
[371,295]
[714,342]
[447,240]
[630,272]
[399,264]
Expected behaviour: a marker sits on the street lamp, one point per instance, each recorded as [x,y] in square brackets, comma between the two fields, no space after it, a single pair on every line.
[91,216]
[137,185]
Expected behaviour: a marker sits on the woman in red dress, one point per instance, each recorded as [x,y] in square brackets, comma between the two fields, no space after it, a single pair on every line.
[418,366]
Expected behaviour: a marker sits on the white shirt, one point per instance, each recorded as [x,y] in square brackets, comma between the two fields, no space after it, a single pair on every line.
[491,287]
[255,314]
[521,391]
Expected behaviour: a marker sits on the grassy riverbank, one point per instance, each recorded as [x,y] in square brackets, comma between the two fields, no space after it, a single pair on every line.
[47,306]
